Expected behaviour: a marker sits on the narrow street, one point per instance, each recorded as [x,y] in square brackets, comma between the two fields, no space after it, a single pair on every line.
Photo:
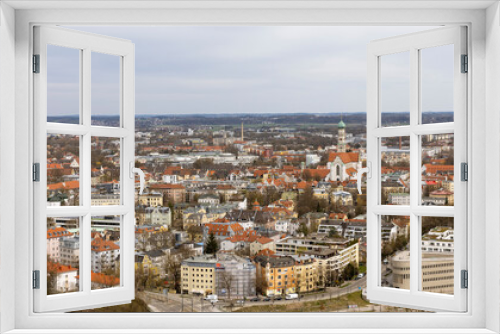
[188,303]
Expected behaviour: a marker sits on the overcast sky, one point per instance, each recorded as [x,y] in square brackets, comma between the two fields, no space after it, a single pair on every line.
[243,70]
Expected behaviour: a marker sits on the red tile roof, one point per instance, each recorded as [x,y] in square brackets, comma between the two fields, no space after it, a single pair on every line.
[100,245]
[58,232]
[346,157]
[59,268]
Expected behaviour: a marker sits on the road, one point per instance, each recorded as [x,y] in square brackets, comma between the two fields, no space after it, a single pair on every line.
[189,303]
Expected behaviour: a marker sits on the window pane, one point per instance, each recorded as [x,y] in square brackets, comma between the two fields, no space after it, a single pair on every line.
[105,171]
[63,170]
[105,252]
[63,255]
[105,89]
[395,173]
[395,251]
[437,255]
[63,84]
[438,169]
[395,89]
[437,84]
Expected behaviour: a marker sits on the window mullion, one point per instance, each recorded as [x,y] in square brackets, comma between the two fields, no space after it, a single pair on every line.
[414,168]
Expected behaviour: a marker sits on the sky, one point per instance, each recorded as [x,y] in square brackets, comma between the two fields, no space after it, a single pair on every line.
[234,69]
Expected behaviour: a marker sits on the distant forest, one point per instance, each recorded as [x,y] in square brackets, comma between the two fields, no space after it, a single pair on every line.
[399,118]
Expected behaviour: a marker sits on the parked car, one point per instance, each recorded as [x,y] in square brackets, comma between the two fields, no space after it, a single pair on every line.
[277,298]
[291,296]
[212,298]
[255,299]
[360,276]
[266,299]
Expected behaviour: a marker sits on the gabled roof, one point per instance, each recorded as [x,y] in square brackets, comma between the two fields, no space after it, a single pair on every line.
[346,157]
[58,232]
[59,268]
[100,245]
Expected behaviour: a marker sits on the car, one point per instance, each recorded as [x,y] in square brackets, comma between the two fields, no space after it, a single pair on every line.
[277,298]
[212,298]
[255,299]
[291,296]
[266,299]
[360,276]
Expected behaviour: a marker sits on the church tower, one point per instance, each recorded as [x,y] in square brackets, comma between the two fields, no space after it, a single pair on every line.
[341,145]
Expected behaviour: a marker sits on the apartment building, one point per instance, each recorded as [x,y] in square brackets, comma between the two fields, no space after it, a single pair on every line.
[236,277]
[54,238]
[172,193]
[104,255]
[199,275]
[69,252]
[275,274]
[306,273]
[399,199]
[296,245]
[158,216]
[151,199]
[105,199]
[61,278]
[437,272]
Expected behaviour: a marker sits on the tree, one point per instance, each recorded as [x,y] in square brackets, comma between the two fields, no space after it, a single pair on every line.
[350,271]
[203,163]
[227,279]
[333,233]
[211,246]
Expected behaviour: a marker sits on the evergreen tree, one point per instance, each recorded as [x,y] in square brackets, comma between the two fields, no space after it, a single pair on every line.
[211,246]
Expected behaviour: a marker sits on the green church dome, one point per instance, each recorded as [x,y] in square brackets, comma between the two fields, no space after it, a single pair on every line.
[341,125]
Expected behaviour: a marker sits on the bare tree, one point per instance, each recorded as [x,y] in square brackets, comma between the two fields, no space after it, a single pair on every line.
[227,280]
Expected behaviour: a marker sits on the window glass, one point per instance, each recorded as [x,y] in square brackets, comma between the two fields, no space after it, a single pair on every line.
[105,171]
[437,84]
[105,252]
[395,251]
[63,255]
[106,89]
[438,167]
[63,170]
[395,89]
[437,259]
[63,84]
[395,170]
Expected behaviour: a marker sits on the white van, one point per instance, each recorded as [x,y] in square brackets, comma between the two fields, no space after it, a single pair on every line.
[291,296]
[211,298]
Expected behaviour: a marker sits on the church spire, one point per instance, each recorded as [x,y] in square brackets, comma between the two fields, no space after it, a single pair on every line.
[341,144]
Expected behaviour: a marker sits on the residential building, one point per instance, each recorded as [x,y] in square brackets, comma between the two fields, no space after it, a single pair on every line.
[275,274]
[236,277]
[261,243]
[198,275]
[54,238]
[158,216]
[104,254]
[61,278]
[69,252]
[399,199]
[172,192]
[437,272]
[105,199]
[151,199]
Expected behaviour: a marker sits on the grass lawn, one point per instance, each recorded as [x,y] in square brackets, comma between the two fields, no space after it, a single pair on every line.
[325,305]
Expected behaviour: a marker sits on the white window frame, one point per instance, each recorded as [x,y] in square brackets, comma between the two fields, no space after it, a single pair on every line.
[413,44]
[87,44]
[483,123]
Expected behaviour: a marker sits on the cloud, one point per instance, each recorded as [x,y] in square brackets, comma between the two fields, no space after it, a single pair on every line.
[228,69]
